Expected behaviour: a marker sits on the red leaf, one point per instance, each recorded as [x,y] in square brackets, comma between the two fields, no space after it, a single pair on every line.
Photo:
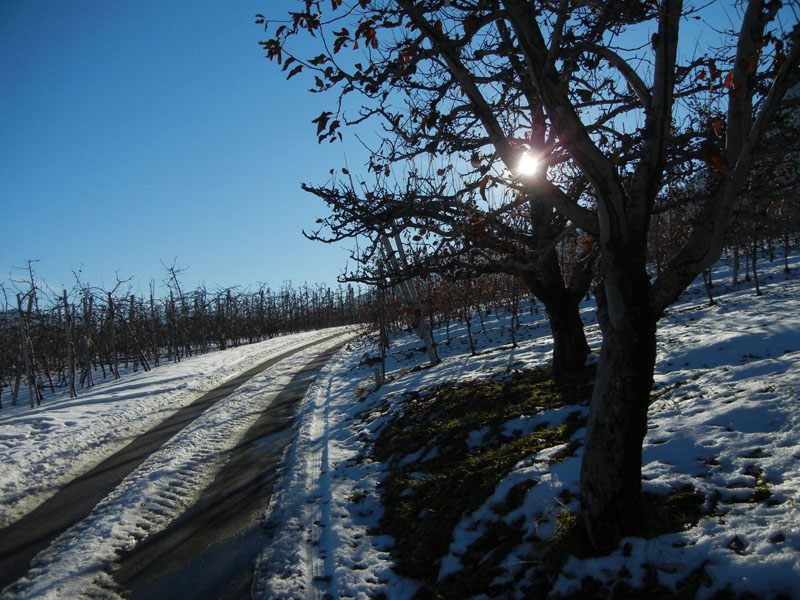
[717,125]
[753,61]
[712,68]
[729,80]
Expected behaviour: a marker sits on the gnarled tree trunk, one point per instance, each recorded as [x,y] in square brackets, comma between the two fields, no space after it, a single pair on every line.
[562,303]
[612,460]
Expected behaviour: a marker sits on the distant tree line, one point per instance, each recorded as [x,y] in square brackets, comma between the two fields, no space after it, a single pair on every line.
[72,339]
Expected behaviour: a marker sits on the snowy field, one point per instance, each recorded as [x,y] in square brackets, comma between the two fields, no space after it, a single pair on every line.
[725,421]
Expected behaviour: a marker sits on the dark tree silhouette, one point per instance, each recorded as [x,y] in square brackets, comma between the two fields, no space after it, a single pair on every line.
[599,87]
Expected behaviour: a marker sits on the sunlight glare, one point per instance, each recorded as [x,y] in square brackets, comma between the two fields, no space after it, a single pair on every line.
[528,165]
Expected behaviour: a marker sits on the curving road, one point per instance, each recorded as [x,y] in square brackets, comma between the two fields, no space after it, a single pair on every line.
[220,529]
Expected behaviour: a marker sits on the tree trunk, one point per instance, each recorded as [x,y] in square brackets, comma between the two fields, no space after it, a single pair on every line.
[747,265]
[111,354]
[612,458]
[786,253]
[87,354]
[513,309]
[154,329]
[708,284]
[25,344]
[409,294]
[129,327]
[570,348]
[466,298]
[754,256]
[17,380]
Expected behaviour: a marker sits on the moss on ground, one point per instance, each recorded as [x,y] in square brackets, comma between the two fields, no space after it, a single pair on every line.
[450,476]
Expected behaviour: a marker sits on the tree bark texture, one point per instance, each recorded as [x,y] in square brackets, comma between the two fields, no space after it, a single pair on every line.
[570,348]
[612,460]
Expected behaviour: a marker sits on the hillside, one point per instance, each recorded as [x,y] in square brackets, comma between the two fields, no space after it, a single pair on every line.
[464,477]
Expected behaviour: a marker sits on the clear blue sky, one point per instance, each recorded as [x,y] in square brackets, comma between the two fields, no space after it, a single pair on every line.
[137,132]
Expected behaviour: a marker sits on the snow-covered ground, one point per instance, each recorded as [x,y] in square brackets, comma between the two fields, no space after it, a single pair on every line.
[725,421]
[45,447]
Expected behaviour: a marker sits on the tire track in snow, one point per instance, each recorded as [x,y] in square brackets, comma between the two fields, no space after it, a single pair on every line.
[159,490]
[304,572]
[223,527]
[320,562]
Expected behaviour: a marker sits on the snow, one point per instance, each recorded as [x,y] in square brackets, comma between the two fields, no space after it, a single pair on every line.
[724,421]
[327,503]
[44,448]
[166,483]
[727,380]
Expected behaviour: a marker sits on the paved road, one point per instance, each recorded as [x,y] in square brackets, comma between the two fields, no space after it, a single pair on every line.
[23,539]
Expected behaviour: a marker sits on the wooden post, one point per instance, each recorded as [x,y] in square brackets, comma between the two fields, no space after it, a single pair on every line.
[73,393]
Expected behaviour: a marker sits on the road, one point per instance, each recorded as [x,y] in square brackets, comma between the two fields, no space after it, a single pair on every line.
[224,523]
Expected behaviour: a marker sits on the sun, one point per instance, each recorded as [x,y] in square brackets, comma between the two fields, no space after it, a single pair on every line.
[527,165]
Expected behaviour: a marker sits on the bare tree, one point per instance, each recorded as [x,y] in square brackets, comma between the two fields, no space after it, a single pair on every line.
[608,95]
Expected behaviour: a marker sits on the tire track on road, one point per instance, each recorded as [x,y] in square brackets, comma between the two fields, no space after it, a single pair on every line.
[21,541]
[207,553]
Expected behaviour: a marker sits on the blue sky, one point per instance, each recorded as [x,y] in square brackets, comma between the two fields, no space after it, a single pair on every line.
[142,132]
[136,133]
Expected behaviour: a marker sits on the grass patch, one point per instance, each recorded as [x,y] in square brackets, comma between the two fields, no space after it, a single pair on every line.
[460,451]
[447,448]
